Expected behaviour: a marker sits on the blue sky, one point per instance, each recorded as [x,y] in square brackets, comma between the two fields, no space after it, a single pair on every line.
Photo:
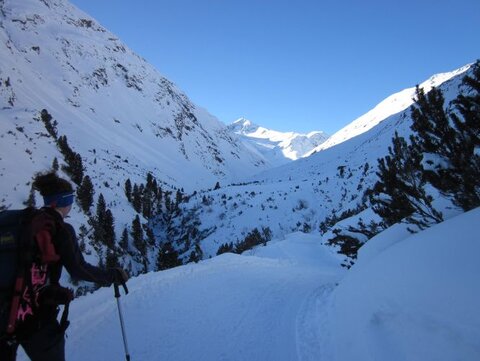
[294,65]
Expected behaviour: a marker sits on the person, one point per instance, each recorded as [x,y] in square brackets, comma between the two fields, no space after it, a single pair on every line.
[42,336]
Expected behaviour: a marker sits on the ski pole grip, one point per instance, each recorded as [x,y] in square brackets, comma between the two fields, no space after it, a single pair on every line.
[117,289]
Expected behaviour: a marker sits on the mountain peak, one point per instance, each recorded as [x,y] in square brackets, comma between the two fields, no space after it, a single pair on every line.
[243,126]
[276,147]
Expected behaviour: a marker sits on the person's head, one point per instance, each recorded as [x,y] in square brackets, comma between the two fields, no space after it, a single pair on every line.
[56,192]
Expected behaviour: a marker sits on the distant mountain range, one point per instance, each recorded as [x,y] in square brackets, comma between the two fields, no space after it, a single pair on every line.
[276,147]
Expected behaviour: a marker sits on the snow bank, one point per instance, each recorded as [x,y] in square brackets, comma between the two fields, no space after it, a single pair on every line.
[416,300]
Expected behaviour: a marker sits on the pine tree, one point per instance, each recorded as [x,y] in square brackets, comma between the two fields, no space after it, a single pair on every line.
[159,196]
[30,202]
[178,198]
[138,237]
[109,230]
[196,255]
[128,189]
[74,167]
[400,194]
[147,204]
[168,203]
[124,240]
[50,126]
[99,221]
[449,139]
[55,165]
[150,182]
[167,257]
[85,194]
[150,236]
[137,198]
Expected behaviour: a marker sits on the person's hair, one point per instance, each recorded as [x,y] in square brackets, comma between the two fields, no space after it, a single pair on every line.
[50,183]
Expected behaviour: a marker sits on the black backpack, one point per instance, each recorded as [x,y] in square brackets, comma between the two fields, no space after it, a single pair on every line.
[26,248]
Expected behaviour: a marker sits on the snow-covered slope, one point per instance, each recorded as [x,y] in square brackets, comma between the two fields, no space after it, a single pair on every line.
[415,300]
[391,105]
[122,116]
[276,147]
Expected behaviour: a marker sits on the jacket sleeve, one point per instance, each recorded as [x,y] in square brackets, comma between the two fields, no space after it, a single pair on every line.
[77,267]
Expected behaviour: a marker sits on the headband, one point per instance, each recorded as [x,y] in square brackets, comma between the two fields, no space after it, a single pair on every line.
[59,200]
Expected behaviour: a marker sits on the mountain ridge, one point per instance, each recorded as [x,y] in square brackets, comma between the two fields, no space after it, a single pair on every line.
[393,104]
[277,147]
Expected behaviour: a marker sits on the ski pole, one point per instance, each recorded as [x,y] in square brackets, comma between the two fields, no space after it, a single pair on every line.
[120,314]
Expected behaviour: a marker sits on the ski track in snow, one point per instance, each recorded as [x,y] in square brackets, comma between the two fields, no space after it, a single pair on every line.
[312,333]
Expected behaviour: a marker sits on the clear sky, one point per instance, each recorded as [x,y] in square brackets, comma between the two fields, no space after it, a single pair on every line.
[297,65]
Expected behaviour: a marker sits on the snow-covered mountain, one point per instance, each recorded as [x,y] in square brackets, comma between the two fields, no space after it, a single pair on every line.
[391,105]
[119,113]
[276,147]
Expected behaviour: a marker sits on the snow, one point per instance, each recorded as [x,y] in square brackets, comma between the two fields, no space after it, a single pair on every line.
[276,147]
[415,299]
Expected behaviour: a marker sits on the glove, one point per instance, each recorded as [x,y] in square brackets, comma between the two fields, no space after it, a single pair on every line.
[120,277]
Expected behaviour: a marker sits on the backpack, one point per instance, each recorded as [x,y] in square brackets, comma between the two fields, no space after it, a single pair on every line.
[27,254]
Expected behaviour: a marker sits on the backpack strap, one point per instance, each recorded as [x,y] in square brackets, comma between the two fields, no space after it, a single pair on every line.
[64,322]
[17,294]
[43,227]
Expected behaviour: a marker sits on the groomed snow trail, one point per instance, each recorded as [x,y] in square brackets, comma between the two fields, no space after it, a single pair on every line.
[249,307]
